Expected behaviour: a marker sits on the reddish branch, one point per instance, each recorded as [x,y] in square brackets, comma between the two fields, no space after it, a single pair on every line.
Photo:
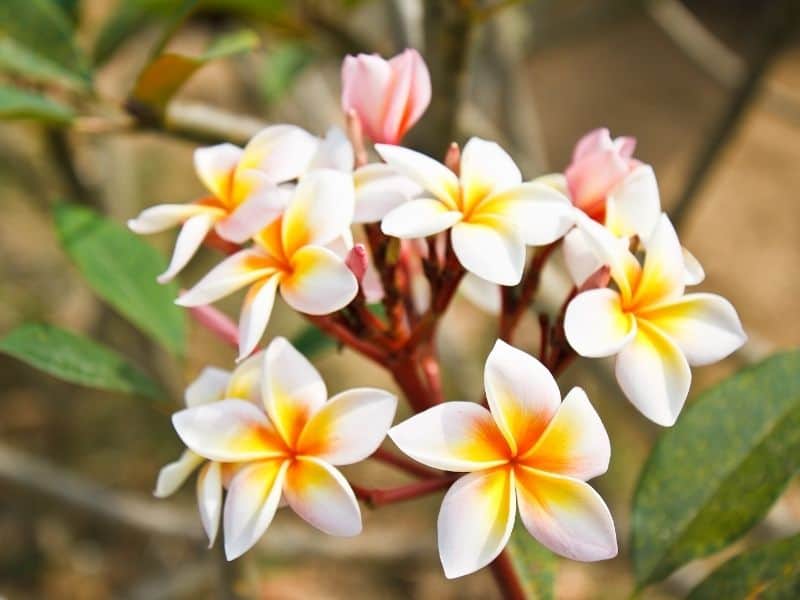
[401,493]
[506,577]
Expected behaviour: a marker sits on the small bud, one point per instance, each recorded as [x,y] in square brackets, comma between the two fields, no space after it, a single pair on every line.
[357,262]
[452,159]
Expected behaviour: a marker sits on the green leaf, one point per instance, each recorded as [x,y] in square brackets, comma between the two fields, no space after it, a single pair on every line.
[282,68]
[715,474]
[770,572]
[19,60]
[121,268]
[535,565]
[312,341]
[162,78]
[20,104]
[44,28]
[76,359]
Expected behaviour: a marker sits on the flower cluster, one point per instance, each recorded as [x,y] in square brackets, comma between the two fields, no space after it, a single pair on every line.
[286,206]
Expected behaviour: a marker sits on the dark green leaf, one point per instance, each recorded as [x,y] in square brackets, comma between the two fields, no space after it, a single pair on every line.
[311,341]
[535,565]
[716,473]
[283,66]
[163,77]
[20,104]
[16,58]
[76,359]
[770,572]
[44,28]
[122,268]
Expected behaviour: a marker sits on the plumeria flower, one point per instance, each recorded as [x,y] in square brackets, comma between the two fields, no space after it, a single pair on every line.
[531,451]
[389,97]
[491,213]
[212,385]
[655,330]
[290,254]
[290,446]
[606,183]
[244,191]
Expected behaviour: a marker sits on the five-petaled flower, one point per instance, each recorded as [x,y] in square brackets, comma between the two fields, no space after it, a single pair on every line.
[654,328]
[244,186]
[388,96]
[492,213]
[289,447]
[531,451]
[291,253]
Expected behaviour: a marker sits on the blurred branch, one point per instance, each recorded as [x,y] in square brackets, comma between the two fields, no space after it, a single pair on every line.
[62,155]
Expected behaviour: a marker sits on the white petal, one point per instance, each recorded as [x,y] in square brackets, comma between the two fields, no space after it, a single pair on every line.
[256,311]
[262,203]
[694,272]
[491,249]
[654,375]
[320,282]
[579,256]
[557,181]
[565,515]
[379,188]
[475,521]
[575,442]
[453,436]
[704,326]
[215,166]
[634,206]
[233,273]
[209,499]
[190,238]
[321,496]
[663,273]
[522,394]
[164,216]
[430,174]
[281,152]
[419,218]
[334,152]
[245,381]
[209,386]
[253,497]
[595,324]
[320,210]
[486,169]
[292,390]
[483,294]
[172,476]
[230,430]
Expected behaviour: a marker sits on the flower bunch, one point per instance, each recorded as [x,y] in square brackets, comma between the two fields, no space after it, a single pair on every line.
[336,229]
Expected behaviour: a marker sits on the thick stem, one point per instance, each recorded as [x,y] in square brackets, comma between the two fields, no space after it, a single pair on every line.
[401,462]
[410,491]
[506,577]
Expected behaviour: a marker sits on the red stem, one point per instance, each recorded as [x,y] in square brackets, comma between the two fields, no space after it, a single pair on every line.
[404,492]
[506,577]
[409,466]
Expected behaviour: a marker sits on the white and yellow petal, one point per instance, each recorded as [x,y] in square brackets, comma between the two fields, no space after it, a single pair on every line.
[595,324]
[694,272]
[281,152]
[321,496]
[235,272]
[379,188]
[486,169]
[704,326]
[579,256]
[319,283]
[256,311]
[419,218]
[293,390]
[209,386]
[209,498]
[258,202]
[230,430]
[191,236]
[522,394]
[453,436]
[349,427]
[253,497]
[215,165]
[575,442]
[245,381]
[565,515]
[491,248]
[164,216]
[475,520]
[634,205]
[173,475]
[654,375]
[428,173]
[334,152]
[663,274]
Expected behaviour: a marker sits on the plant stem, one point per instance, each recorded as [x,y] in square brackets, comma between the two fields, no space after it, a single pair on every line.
[401,462]
[506,577]
[404,492]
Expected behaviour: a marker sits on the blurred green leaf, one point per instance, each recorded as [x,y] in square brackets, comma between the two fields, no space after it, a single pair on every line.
[76,359]
[44,28]
[162,78]
[535,565]
[716,473]
[282,68]
[311,341]
[17,59]
[121,268]
[21,104]
[769,572]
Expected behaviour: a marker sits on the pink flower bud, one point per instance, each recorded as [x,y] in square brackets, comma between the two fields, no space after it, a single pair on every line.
[357,261]
[389,97]
[598,164]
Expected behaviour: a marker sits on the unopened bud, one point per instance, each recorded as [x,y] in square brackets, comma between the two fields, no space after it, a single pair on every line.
[357,262]
[452,159]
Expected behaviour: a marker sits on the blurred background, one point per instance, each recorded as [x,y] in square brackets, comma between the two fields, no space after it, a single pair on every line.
[711,90]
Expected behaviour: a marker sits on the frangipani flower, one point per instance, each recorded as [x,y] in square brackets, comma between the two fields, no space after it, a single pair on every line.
[531,451]
[211,385]
[492,214]
[655,329]
[289,447]
[290,254]
[389,97]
